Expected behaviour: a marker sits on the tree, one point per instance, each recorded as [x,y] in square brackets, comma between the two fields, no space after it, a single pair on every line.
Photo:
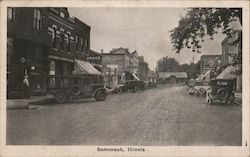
[167,64]
[199,22]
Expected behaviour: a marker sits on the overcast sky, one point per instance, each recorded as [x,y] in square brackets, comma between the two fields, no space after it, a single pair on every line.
[146,30]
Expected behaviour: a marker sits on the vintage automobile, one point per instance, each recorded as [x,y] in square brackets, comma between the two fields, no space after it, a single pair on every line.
[68,87]
[222,90]
[130,85]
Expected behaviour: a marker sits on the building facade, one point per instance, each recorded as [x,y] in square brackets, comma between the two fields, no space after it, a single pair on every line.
[143,68]
[43,43]
[27,48]
[232,57]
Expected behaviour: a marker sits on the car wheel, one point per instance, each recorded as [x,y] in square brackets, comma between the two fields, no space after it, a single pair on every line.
[202,91]
[100,95]
[60,97]
[119,91]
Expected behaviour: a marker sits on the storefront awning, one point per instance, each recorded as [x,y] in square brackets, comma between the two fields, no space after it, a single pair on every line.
[227,73]
[83,67]
[206,76]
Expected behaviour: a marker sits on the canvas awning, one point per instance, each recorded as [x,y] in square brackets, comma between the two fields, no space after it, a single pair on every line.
[227,73]
[206,76]
[83,67]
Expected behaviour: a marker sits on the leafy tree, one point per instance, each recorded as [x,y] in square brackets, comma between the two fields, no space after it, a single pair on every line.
[199,22]
[167,64]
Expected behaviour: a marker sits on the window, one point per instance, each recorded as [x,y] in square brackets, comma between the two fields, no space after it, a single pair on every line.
[62,41]
[77,44]
[37,24]
[68,41]
[54,37]
[11,13]
[81,44]
[62,14]
[86,43]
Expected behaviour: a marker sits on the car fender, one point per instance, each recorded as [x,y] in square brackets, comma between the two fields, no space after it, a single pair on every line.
[98,89]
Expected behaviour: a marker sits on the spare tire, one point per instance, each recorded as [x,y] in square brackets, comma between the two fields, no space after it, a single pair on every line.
[222,93]
[202,91]
[75,90]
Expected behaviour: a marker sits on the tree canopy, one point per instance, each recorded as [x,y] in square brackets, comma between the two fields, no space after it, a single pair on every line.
[199,22]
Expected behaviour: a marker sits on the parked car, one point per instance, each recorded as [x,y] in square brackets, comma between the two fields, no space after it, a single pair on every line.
[131,85]
[76,86]
[222,90]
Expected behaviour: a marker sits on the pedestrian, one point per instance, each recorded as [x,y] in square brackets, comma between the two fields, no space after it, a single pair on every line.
[26,87]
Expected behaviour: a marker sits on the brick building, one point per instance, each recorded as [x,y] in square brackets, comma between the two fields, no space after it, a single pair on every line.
[143,68]
[43,43]
[231,60]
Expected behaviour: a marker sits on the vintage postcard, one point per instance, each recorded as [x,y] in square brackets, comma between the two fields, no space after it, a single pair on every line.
[124,78]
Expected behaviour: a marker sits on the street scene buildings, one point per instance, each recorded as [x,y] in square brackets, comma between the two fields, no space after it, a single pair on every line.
[76,94]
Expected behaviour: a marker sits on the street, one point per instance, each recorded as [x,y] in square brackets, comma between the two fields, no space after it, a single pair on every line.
[163,116]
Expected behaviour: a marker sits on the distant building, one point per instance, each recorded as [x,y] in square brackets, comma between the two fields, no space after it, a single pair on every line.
[209,62]
[143,68]
[118,61]
[152,76]
[95,59]
[172,77]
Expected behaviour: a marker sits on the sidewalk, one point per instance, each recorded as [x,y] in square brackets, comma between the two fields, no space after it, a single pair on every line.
[24,103]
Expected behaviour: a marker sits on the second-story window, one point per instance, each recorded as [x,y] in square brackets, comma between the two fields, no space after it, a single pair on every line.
[81,44]
[37,19]
[62,14]
[62,41]
[54,37]
[68,41]
[11,13]
[77,43]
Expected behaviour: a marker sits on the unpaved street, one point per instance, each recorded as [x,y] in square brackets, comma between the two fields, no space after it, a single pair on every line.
[161,116]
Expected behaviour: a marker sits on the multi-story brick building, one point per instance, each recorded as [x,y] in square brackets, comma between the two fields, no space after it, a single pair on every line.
[232,58]
[27,47]
[143,68]
[43,44]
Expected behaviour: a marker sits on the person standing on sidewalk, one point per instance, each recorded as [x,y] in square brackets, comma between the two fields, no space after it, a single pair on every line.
[26,87]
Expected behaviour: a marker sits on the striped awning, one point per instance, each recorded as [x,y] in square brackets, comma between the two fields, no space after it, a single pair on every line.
[227,73]
[83,67]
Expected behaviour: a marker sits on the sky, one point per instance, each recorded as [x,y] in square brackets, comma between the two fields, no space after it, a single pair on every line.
[146,30]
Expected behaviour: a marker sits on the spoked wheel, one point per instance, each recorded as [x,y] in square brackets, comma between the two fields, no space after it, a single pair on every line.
[100,95]
[119,91]
[60,97]
[202,91]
